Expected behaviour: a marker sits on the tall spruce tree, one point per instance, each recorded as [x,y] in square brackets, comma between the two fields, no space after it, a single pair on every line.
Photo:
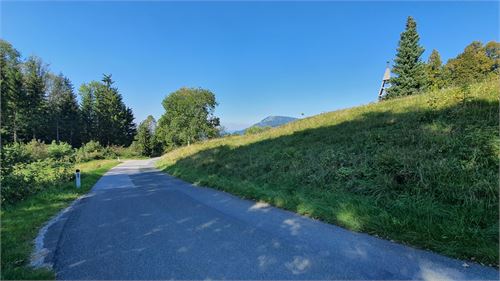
[13,101]
[87,111]
[64,112]
[434,69]
[105,117]
[35,75]
[409,69]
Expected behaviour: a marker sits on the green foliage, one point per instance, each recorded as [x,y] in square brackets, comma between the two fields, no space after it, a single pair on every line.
[37,104]
[409,68]
[29,178]
[37,150]
[471,66]
[434,71]
[13,105]
[145,140]
[116,151]
[64,115]
[22,220]
[35,80]
[14,153]
[492,50]
[421,169]
[29,168]
[256,130]
[60,151]
[91,150]
[188,118]
[104,115]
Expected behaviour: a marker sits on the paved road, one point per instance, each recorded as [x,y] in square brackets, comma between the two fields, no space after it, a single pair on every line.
[139,223]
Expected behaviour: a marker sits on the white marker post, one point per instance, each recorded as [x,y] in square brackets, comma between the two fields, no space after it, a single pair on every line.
[77,178]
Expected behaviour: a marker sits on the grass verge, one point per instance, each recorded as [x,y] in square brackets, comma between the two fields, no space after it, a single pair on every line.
[21,221]
[421,170]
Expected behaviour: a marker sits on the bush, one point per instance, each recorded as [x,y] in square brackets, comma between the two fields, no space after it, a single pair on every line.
[24,179]
[122,152]
[60,151]
[12,154]
[92,150]
[37,150]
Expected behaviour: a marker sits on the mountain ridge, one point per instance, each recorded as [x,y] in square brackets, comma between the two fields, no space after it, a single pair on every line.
[270,121]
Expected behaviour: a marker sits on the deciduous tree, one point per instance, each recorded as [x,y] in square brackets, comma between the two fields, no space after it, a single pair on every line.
[189,117]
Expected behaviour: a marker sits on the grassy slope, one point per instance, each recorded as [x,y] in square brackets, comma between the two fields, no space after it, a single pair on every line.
[21,222]
[422,170]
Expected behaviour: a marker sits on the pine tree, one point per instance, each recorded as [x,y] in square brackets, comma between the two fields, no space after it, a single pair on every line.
[408,67]
[434,69]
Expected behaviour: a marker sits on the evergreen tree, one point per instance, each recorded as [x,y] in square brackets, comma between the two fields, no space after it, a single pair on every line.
[434,69]
[12,100]
[145,140]
[105,117]
[409,69]
[35,75]
[87,111]
[64,112]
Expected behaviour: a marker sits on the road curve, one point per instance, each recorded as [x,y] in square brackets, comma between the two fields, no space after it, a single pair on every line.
[139,223]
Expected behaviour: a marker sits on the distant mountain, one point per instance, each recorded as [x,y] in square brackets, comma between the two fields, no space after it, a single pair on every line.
[270,121]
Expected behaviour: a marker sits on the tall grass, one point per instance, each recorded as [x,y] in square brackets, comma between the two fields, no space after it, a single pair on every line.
[421,170]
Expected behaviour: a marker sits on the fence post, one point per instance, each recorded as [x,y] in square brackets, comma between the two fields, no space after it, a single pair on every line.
[77,178]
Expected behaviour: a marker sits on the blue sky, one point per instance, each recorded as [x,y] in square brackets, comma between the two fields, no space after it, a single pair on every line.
[259,58]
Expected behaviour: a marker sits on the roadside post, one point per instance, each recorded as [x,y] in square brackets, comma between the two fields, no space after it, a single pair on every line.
[77,178]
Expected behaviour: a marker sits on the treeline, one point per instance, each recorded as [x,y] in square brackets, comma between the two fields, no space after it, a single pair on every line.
[476,63]
[39,105]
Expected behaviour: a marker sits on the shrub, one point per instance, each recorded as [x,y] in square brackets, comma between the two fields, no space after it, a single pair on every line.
[122,152]
[12,154]
[92,150]
[60,151]
[37,150]
[24,179]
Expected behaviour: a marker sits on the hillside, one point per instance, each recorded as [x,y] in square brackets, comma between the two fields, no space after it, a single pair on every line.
[270,121]
[421,170]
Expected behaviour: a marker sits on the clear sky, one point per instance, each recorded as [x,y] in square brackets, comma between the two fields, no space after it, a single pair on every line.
[259,58]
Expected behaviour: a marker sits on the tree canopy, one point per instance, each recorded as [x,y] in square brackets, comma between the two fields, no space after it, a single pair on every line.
[189,117]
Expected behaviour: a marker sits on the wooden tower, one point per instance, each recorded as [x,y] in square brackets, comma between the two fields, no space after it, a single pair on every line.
[385,81]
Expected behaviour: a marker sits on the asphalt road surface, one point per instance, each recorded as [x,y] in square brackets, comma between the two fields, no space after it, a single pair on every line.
[139,223]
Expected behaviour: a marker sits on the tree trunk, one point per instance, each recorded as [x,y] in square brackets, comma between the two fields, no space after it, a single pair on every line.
[57,131]
[15,127]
